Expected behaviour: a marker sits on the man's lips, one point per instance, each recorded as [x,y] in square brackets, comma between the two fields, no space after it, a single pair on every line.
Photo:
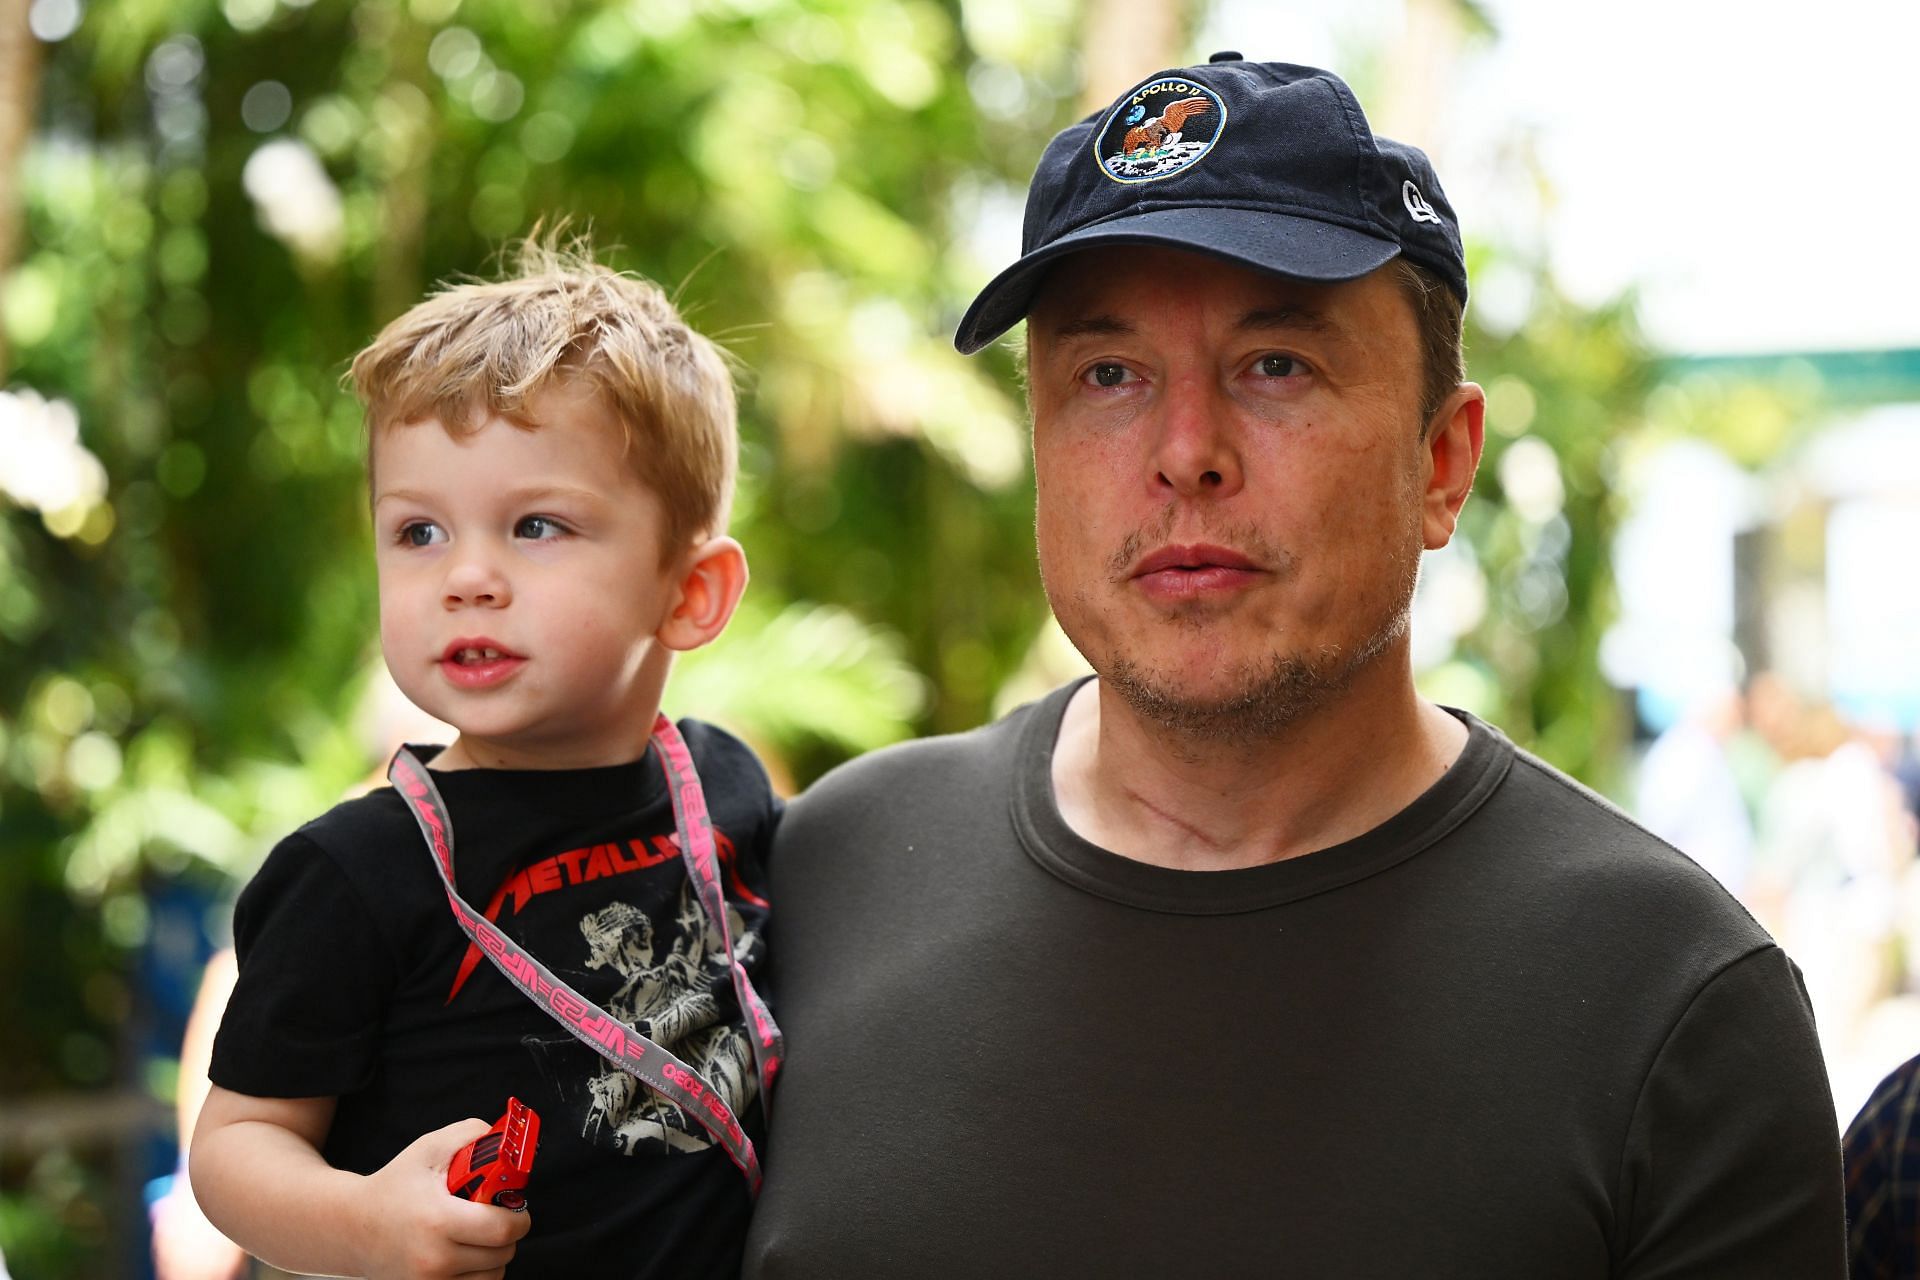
[1177,573]
[1199,556]
[476,662]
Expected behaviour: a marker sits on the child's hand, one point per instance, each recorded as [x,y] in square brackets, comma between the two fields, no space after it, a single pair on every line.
[417,1230]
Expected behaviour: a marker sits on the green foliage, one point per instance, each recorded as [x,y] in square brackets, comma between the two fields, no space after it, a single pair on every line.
[55,1226]
[811,680]
[1564,390]
[226,201]
[1752,418]
[1574,398]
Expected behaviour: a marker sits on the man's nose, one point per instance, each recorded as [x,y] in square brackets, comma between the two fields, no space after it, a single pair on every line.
[1196,451]
[475,577]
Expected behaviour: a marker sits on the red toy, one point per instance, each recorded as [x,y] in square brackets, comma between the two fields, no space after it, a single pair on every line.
[493,1167]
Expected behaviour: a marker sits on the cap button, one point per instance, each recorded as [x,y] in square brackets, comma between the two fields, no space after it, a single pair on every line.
[1227,55]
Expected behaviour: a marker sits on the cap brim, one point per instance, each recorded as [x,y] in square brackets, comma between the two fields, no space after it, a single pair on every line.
[1297,248]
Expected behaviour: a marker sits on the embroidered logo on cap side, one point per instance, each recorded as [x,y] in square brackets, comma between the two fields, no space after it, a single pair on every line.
[1159,129]
[1417,206]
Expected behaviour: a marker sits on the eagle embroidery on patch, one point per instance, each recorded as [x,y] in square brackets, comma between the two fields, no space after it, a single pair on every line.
[1159,129]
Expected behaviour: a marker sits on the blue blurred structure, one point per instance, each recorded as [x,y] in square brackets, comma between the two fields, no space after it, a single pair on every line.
[188,922]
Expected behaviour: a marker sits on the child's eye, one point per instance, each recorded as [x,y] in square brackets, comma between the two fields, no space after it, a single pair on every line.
[420,533]
[538,528]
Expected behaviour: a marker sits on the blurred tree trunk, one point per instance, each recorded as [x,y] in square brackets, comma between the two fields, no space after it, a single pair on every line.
[1125,41]
[404,194]
[1419,67]
[19,88]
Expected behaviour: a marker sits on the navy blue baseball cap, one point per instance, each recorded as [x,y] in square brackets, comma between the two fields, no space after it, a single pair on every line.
[1262,163]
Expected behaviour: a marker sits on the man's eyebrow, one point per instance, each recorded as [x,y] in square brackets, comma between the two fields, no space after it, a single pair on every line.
[1308,318]
[1093,326]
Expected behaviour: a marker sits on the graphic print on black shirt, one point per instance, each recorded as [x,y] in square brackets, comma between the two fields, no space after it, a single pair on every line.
[668,994]
[674,986]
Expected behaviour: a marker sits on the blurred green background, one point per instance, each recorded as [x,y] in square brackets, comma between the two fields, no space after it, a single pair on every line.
[214,203]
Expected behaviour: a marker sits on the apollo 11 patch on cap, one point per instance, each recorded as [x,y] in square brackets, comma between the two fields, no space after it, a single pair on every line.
[1159,129]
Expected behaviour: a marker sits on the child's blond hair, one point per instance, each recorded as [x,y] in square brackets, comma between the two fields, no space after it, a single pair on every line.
[486,349]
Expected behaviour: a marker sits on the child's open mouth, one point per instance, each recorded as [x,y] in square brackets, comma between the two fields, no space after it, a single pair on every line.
[474,664]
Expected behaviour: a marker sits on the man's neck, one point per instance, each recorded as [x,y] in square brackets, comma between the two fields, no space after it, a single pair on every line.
[1139,791]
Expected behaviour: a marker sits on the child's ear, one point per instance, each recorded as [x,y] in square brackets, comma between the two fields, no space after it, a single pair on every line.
[710,584]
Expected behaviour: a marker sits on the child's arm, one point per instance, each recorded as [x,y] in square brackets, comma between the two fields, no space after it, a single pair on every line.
[259,1175]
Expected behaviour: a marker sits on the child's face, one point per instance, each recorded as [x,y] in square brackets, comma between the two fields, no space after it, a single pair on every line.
[521,585]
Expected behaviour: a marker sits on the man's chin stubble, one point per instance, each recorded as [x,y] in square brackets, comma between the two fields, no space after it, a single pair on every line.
[1268,702]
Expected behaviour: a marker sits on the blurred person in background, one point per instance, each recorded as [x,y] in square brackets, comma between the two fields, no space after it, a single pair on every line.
[1834,847]
[1906,772]
[1241,957]
[1883,1180]
[1689,793]
[185,1245]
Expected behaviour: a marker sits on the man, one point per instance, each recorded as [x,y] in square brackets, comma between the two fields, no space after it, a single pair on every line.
[1242,958]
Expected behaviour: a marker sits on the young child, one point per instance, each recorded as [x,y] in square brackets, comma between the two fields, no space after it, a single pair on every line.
[551,460]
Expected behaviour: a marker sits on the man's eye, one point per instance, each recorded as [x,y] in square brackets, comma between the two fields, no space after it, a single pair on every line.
[421,533]
[538,528]
[1108,375]
[1279,366]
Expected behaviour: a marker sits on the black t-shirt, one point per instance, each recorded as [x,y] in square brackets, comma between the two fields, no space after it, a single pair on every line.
[1507,1033]
[357,983]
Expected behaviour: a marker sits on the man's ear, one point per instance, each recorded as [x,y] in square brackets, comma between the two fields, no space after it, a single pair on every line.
[711,580]
[1454,440]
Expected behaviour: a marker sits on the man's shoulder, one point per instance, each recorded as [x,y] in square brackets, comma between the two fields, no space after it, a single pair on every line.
[919,762]
[1573,838]
[947,763]
[1582,818]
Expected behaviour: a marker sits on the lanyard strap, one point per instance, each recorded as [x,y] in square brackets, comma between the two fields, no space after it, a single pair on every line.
[656,1067]
[695,828]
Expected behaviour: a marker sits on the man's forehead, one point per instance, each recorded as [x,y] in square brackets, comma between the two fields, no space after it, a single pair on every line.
[1104,289]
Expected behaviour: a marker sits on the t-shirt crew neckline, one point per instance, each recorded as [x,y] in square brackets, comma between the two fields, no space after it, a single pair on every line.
[599,791]
[1064,853]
